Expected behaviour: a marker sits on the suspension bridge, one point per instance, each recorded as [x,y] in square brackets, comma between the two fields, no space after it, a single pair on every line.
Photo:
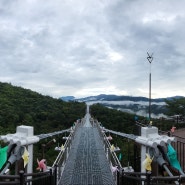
[88,158]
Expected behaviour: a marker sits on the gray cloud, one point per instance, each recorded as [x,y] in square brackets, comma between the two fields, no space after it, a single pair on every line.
[84,48]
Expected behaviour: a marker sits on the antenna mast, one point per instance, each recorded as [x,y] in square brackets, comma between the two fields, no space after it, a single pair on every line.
[149,58]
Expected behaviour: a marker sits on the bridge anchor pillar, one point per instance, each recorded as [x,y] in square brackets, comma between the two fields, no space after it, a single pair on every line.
[28,131]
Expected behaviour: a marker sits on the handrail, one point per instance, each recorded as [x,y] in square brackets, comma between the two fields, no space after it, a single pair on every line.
[63,151]
[60,161]
[111,155]
[116,160]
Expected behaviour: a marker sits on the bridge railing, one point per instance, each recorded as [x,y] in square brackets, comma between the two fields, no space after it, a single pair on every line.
[112,158]
[111,155]
[138,178]
[61,159]
[179,146]
[42,178]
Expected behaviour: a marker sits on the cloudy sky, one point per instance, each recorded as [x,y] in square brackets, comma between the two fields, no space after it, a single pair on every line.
[90,47]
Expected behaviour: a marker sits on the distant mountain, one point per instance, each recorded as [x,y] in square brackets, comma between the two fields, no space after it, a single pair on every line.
[104,97]
[135,105]
[67,98]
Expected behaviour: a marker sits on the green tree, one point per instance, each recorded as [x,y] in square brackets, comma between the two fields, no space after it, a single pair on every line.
[176,106]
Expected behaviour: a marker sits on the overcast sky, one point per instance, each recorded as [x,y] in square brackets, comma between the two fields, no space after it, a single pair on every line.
[90,47]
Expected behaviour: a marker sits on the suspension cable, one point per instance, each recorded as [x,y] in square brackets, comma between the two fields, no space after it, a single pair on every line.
[43,136]
[129,136]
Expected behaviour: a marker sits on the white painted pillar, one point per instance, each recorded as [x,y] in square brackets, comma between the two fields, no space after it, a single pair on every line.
[27,131]
[145,133]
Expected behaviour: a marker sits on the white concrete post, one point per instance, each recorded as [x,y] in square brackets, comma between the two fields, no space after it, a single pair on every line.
[28,132]
[145,132]
[151,139]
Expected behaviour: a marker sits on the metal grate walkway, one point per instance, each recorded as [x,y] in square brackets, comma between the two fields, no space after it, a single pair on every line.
[87,163]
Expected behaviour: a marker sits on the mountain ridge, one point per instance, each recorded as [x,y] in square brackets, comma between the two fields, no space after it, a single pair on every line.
[130,104]
[112,97]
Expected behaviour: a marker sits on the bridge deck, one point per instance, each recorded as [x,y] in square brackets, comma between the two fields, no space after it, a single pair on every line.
[87,163]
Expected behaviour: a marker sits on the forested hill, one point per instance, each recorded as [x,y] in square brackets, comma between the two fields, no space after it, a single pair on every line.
[19,106]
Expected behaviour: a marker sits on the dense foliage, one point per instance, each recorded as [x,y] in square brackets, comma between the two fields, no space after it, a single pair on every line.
[113,119]
[20,106]
[124,122]
[176,106]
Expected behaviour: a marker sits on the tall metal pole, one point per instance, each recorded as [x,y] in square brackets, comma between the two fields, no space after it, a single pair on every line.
[149,58]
